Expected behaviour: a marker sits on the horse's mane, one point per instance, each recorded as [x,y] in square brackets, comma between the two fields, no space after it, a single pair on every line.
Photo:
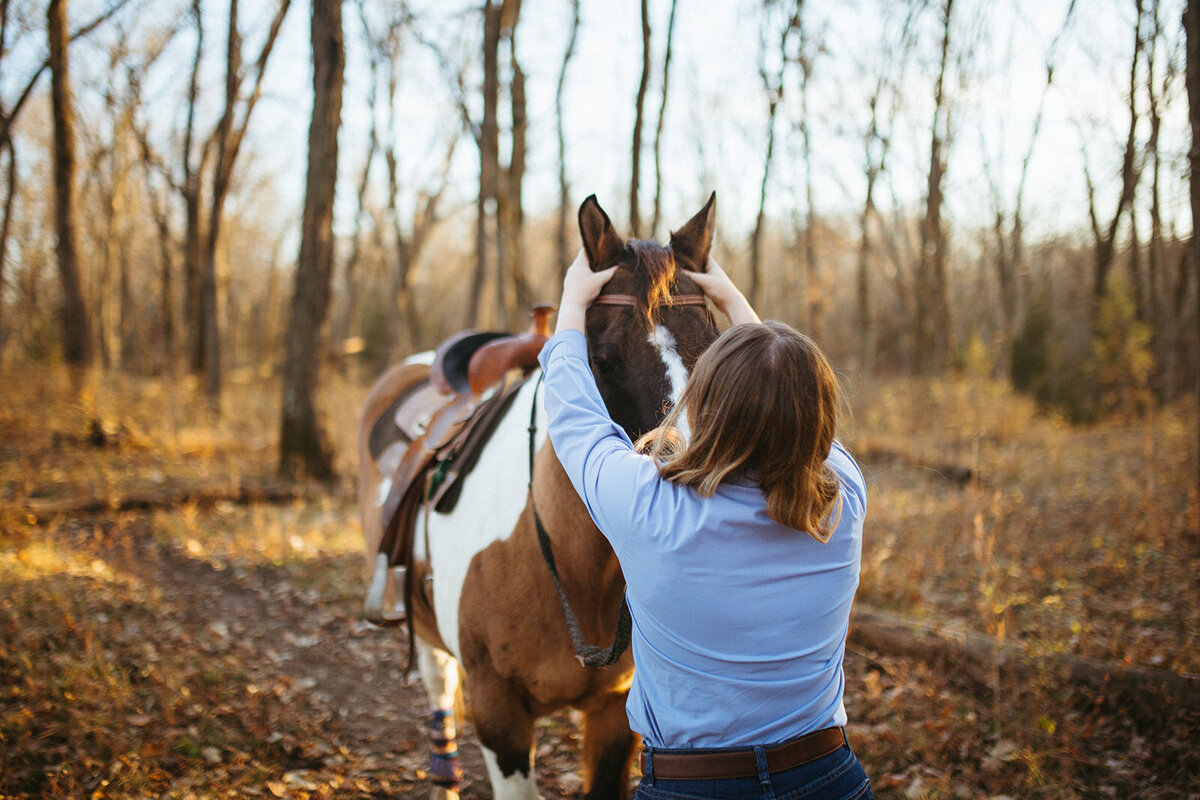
[654,272]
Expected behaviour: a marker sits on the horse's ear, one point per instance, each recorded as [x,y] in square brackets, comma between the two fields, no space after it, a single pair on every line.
[600,240]
[693,241]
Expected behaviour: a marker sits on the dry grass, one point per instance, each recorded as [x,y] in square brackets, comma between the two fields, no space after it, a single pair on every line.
[117,684]
[1081,540]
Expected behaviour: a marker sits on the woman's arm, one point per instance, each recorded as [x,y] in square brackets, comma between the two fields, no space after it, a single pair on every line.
[580,288]
[594,451]
[728,299]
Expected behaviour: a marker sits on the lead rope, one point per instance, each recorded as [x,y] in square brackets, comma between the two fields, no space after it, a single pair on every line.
[589,655]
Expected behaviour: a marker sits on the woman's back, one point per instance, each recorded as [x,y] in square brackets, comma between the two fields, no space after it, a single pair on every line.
[739,622]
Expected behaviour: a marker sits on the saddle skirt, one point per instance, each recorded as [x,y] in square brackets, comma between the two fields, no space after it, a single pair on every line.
[430,437]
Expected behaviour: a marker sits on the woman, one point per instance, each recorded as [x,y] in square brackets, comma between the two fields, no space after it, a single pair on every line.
[740,541]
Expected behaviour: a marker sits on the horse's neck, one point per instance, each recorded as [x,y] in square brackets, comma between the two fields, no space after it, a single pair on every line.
[563,513]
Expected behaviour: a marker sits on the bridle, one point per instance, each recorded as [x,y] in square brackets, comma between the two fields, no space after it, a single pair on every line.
[589,655]
[630,300]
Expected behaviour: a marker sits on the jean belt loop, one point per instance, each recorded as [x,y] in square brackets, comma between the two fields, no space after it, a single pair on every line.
[764,772]
[648,751]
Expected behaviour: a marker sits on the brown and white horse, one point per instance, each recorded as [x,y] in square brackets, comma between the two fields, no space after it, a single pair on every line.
[486,600]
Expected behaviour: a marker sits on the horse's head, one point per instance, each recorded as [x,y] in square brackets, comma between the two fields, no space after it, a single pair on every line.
[650,324]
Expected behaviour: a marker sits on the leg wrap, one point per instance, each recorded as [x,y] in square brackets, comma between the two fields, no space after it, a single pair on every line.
[445,769]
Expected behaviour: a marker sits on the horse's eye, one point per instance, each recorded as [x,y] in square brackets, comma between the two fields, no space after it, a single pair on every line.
[606,360]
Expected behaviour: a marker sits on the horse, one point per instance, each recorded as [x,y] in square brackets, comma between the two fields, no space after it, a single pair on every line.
[485,608]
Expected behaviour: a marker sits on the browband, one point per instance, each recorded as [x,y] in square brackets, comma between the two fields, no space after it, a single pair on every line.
[630,300]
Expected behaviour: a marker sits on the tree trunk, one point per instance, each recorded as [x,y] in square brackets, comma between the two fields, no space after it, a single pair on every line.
[1106,245]
[200,251]
[662,113]
[77,344]
[166,299]
[401,288]
[635,218]
[1156,308]
[760,218]
[564,191]
[981,659]
[934,340]
[813,289]
[10,191]
[489,160]
[304,448]
[193,243]
[350,323]
[1191,27]
[209,288]
[866,350]
[510,262]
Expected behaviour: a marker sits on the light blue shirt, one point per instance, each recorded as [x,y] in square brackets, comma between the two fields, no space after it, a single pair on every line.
[739,623]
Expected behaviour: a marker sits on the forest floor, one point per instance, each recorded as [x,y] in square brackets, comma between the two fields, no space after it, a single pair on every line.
[174,623]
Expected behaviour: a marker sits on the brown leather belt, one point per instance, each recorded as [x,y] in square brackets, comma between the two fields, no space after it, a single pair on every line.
[718,764]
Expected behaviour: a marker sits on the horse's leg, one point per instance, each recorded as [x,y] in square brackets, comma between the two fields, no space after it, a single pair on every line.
[607,749]
[439,673]
[504,724]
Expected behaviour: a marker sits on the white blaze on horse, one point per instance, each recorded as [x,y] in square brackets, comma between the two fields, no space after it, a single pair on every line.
[481,595]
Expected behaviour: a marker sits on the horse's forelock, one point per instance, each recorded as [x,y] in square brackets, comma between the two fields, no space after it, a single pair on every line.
[654,271]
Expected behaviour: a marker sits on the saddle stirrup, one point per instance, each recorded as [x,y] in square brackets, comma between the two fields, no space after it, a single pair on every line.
[373,609]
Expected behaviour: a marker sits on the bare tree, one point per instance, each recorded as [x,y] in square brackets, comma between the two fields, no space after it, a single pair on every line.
[877,142]
[77,345]
[773,87]
[10,192]
[658,130]
[9,114]
[1008,227]
[408,241]
[379,49]
[189,188]
[488,139]
[813,284]
[1130,173]
[635,217]
[564,191]
[498,204]
[1154,110]
[1191,26]
[934,335]
[229,135]
[875,153]
[304,448]
[510,211]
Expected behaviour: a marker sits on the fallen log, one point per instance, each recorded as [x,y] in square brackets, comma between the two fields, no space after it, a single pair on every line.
[45,509]
[956,474]
[983,660]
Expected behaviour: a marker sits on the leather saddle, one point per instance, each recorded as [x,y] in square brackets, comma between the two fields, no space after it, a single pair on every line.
[446,418]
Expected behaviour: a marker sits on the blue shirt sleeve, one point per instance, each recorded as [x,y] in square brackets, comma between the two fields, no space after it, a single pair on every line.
[617,484]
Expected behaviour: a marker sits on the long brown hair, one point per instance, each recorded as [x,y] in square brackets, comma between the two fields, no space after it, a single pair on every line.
[761,403]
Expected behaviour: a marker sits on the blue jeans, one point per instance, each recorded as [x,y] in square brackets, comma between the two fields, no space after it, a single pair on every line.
[837,776]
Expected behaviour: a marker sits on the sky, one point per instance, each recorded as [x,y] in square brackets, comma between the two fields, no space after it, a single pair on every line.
[715,125]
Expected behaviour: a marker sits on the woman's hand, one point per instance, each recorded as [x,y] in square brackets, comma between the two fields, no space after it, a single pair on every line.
[728,299]
[580,287]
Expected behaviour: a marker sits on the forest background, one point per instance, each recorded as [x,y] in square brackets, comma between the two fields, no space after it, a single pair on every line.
[219,221]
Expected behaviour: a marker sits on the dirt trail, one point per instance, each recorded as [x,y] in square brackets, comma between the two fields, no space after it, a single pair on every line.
[346,722]
[342,671]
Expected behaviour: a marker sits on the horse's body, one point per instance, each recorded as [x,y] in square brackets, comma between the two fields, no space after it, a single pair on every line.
[485,598]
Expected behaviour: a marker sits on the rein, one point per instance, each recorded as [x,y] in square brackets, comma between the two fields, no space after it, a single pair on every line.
[589,655]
